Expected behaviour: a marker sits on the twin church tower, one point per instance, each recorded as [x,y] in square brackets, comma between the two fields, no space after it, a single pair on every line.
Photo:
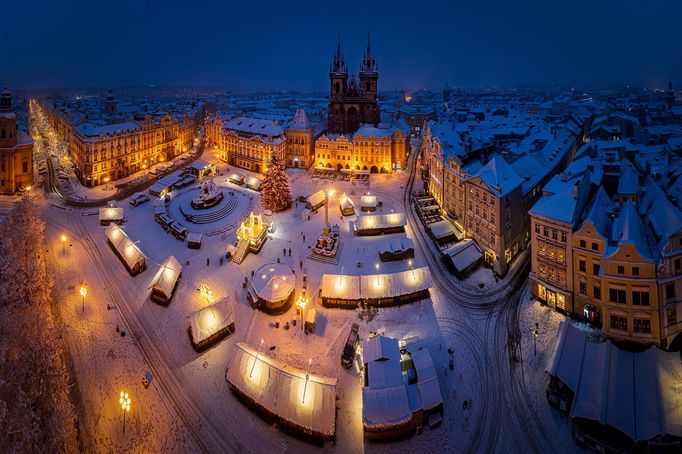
[352,103]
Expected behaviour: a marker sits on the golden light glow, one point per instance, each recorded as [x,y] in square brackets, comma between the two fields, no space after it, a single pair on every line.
[207,293]
[63,238]
[83,291]
[124,400]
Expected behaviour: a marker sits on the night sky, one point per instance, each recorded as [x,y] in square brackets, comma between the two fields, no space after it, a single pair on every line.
[287,45]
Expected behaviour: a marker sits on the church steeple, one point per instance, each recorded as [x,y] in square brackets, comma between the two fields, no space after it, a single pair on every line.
[338,67]
[5,99]
[369,64]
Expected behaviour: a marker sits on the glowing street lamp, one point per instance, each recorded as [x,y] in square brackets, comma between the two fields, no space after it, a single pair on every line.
[63,238]
[301,303]
[84,291]
[409,262]
[124,401]
[106,183]
[376,266]
[256,358]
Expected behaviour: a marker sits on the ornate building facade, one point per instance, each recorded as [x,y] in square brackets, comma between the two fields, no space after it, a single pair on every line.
[248,142]
[353,103]
[16,150]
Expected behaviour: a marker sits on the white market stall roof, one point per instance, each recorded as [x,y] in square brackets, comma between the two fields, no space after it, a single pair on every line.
[236,176]
[194,237]
[427,384]
[380,221]
[167,276]
[284,391]
[125,247]
[206,322]
[273,282]
[339,286]
[397,245]
[443,228]
[464,254]
[317,198]
[253,182]
[346,202]
[385,407]
[636,393]
[368,201]
[111,214]
[200,165]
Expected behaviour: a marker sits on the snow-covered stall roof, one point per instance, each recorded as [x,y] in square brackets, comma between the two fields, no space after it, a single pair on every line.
[273,282]
[236,177]
[165,279]
[464,254]
[284,391]
[385,407]
[427,380]
[110,214]
[380,221]
[346,202]
[200,165]
[253,182]
[338,286]
[635,393]
[317,199]
[127,250]
[368,201]
[397,245]
[210,320]
[442,229]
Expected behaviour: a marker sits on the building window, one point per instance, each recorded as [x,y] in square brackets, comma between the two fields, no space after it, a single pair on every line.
[670,291]
[671,313]
[596,293]
[619,323]
[635,271]
[582,266]
[640,298]
[641,326]
[595,247]
[563,237]
[621,269]
[537,228]
[554,234]
[583,288]
[595,269]
[678,265]
[545,231]
[617,296]
[583,244]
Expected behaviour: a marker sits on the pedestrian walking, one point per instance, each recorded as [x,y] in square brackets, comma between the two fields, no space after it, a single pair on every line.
[284,252]
[304,238]
[208,261]
[289,252]
[300,265]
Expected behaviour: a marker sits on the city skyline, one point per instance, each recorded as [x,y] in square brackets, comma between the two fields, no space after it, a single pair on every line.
[283,47]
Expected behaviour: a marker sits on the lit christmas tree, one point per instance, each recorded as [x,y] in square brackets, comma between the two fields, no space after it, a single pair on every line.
[274,191]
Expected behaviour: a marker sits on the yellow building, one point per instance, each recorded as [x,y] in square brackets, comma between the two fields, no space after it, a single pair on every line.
[248,142]
[300,141]
[16,150]
[377,150]
[104,152]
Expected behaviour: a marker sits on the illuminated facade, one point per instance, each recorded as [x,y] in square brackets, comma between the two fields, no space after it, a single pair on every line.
[16,150]
[103,152]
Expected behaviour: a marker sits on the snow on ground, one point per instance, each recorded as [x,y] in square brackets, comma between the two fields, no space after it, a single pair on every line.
[106,362]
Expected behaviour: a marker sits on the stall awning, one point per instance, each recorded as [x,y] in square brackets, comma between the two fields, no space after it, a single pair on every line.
[464,254]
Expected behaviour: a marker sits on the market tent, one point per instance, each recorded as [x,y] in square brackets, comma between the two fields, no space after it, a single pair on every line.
[128,252]
[464,254]
[316,200]
[380,221]
[427,380]
[368,202]
[346,287]
[567,358]
[442,229]
[253,183]
[273,282]
[304,400]
[385,407]
[211,323]
[108,215]
[165,280]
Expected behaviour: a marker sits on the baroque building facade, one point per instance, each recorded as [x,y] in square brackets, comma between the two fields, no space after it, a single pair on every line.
[16,150]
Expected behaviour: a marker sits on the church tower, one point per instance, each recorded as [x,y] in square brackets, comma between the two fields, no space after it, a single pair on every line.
[8,120]
[369,76]
[110,103]
[670,94]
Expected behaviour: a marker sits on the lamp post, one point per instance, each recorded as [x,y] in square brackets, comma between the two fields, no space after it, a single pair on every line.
[84,291]
[63,238]
[305,387]
[124,401]
[409,262]
[256,358]
[106,183]
[301,304]
[535,332]
[376,266]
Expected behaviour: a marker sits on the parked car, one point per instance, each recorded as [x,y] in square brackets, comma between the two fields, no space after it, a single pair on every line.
[349,349]
[138,198]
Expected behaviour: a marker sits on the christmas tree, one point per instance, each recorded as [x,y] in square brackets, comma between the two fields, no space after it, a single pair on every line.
[274,191]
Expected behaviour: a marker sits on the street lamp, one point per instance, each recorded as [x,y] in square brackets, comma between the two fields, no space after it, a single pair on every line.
[376,266]
[301,304]
[84,291]
[124,401]
[409,262]
[106,183]
[305,388]
[63,238]
[535,332]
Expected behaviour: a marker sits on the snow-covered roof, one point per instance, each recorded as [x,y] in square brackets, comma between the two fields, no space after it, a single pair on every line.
[368,201]
[499,176]
[464,253]
[301,398]
[635,393]
[273,282]
[92,129]
[167,276]
[300,120]
[627,228]
[397,245]
[255,126]
[110,213]
[629,179]
[317,198]
[126,248]
[380,221]
[442,229]
[208,321]
[429,389]
[375,286]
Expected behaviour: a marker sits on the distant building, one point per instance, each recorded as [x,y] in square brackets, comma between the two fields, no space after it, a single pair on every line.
[353,103]
[16,150]
[300,141]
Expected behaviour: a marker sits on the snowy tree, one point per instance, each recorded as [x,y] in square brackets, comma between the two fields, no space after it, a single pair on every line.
[274,191]
[36,414]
